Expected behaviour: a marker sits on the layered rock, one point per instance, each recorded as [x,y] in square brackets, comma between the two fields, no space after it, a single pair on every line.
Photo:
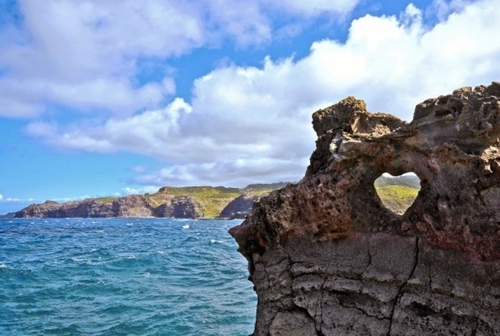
[180,207]
[327,258]
[240,207]
[178,202]
[164,205]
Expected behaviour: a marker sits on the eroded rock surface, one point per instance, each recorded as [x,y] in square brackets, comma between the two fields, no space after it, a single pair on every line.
[163,205]
[240,207]
[327,258]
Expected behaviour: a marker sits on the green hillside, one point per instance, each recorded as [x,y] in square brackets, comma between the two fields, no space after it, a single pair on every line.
[397,193]
[411,181]
[213,199]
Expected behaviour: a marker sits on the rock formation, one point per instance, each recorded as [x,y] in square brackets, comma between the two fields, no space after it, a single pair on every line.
[240,207]
[327,258]
[180,207]
[162,205]
[176,202]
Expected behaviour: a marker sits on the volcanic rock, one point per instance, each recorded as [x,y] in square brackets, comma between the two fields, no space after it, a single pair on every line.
[240,207]
[180,207]
[327,258]
[129,206]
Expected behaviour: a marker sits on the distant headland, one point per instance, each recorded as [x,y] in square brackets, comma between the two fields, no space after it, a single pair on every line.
[199,202]
[172,202]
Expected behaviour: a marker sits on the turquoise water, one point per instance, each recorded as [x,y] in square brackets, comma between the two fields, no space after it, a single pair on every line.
[122,277]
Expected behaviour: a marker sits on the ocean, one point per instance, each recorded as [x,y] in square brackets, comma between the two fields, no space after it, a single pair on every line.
[123,277]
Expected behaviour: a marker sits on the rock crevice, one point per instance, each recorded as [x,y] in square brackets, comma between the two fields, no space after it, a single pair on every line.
[327,258]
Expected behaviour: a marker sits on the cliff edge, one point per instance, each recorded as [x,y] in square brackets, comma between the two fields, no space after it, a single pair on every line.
[160,204]
[327,258]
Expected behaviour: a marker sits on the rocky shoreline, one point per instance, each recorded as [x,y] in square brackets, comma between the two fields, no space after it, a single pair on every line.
[168,202]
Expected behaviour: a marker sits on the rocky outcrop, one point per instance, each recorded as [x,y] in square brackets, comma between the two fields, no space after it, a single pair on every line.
[327,258]
[240,207]
[177,202]
[161,205]
[180,207]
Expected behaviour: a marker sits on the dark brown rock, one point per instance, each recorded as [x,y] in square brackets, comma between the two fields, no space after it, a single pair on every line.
[327,253]
[129,206]
[180,207]
[240,207]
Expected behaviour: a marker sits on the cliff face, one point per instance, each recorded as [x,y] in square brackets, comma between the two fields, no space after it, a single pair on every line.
[327,258]
[180,207]
[177,202]
[165,205]
[240,207]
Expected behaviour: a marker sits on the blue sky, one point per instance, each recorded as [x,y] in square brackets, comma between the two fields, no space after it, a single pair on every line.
[115,97]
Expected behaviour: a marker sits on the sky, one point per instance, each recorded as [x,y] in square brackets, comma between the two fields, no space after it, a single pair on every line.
[116,97]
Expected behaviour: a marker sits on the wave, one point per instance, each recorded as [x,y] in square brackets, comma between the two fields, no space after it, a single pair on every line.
[149,278]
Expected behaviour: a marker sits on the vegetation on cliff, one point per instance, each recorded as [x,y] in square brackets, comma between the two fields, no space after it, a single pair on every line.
[213,199]
[397,198]
[177,202]
[397,193]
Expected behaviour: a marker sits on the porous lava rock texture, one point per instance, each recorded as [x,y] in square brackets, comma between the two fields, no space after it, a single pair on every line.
[327,258]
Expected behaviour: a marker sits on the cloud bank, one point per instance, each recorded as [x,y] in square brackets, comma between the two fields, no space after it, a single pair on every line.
[242,124]
[86,55]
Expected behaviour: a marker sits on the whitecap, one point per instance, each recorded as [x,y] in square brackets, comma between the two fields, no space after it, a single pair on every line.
[2,265]
[161,252]
[129,224]
[79,260]
[131,257]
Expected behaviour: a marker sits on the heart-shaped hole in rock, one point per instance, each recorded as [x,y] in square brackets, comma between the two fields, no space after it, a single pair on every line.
[397,193]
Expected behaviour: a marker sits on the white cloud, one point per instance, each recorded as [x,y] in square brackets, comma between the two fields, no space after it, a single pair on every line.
[138,169]
[243,21]
[12,199]
[143,133]
[132,191]
[83,54]
[314,7]
[442,8]
[86,54]
[79,39]
[227,172]
[249,124]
